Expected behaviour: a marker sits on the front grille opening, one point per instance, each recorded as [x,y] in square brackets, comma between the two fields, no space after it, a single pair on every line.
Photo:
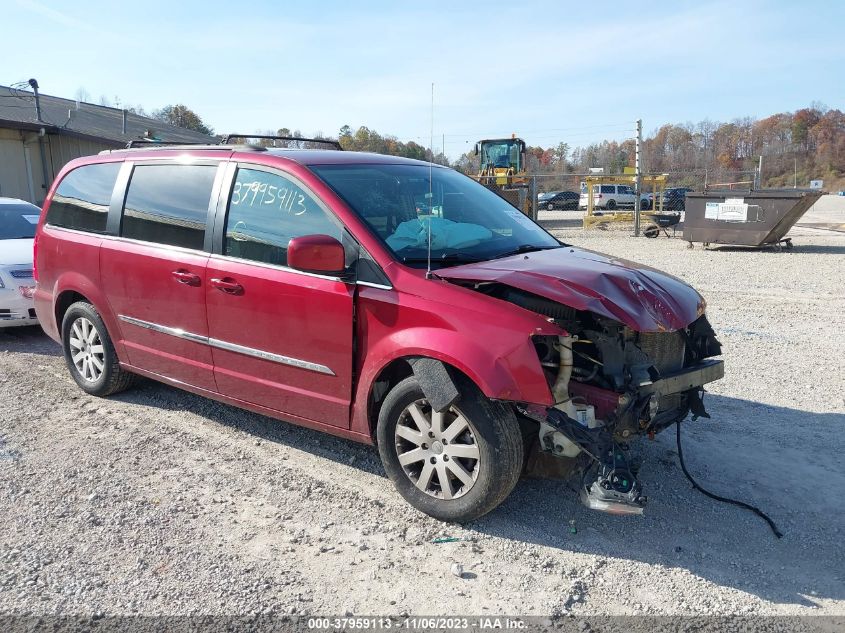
[32,313]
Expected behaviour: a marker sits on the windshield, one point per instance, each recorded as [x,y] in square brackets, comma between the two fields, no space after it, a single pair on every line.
[18,221]
[501,154]
[468,221]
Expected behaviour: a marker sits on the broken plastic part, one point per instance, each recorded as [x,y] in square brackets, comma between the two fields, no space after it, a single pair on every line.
[611,507]
[436,382]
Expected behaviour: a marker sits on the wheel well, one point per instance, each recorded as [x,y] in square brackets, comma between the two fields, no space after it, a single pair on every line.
[399,369]
[65,300]
[395,372]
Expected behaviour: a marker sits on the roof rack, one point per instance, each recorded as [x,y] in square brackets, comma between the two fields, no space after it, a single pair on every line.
[228,137]
[147,143]
[194,146]
[135,142]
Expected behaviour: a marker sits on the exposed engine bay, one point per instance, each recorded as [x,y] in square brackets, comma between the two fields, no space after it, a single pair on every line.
[610,384]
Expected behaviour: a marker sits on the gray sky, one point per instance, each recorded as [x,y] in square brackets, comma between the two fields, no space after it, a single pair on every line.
[548,71]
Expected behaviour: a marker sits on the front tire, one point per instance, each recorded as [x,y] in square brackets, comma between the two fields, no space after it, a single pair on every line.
[89,353]
[456,465]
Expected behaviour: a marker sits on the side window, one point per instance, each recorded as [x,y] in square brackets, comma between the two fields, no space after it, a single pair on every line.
[626,190]
[168,204]
[267,210]
[608,189]
[82,199]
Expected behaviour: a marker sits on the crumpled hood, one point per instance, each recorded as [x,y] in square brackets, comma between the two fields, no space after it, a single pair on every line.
[16,252]
[644,299]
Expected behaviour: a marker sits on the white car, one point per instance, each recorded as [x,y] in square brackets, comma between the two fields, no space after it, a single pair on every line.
[612,197]
[18,220]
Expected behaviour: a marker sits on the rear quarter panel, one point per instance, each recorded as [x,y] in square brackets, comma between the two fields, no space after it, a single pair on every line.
[70,261]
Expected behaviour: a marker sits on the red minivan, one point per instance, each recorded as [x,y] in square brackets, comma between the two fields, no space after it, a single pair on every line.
[381,299]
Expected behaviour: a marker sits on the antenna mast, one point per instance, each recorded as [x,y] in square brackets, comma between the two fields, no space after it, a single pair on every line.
[430,186]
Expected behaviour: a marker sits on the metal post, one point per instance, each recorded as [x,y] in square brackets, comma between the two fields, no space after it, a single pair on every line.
[795,175]
[123,127]
[760,174]
[532,191]
[638,181]
[34,84]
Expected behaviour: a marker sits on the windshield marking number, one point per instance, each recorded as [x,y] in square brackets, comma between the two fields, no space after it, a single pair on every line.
[289,200]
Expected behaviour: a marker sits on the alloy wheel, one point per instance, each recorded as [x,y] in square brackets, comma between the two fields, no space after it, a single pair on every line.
[87,352]
[437,451]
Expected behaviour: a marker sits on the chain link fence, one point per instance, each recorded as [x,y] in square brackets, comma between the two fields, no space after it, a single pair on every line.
[560,201]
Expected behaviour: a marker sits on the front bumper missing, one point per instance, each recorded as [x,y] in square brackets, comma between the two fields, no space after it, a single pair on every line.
[614,487]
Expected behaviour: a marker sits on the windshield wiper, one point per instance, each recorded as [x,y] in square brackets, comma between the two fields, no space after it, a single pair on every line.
[524,248]
[451,258]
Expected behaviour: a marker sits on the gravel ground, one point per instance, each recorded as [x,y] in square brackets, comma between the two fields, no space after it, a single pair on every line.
[159,502]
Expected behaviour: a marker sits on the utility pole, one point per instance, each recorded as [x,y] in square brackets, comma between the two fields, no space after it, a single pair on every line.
[795,174]
[638,175]
[760,174]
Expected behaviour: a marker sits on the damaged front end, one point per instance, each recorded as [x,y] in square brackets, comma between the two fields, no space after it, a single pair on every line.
[611,383]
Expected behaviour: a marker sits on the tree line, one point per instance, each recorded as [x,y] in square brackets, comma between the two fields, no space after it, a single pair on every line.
[796,147]
[807,144]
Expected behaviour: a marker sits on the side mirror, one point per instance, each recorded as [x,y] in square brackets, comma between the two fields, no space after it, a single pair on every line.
[316,254]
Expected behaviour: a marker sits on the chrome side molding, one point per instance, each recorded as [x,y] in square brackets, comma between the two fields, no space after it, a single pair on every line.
[227,346]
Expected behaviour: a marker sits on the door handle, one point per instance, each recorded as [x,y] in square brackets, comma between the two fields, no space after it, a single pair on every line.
[186,277]
[227,285]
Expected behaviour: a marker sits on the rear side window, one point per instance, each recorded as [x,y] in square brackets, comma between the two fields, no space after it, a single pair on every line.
[266,211]
[82,198]
[608,188]
[168,204]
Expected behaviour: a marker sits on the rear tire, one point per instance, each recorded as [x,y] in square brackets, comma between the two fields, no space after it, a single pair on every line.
[476,446]
[89,353]
[611,205]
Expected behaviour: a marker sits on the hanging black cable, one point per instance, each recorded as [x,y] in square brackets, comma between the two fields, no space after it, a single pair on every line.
[741,504]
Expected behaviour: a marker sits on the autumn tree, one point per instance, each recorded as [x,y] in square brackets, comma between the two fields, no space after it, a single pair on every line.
[182,116]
